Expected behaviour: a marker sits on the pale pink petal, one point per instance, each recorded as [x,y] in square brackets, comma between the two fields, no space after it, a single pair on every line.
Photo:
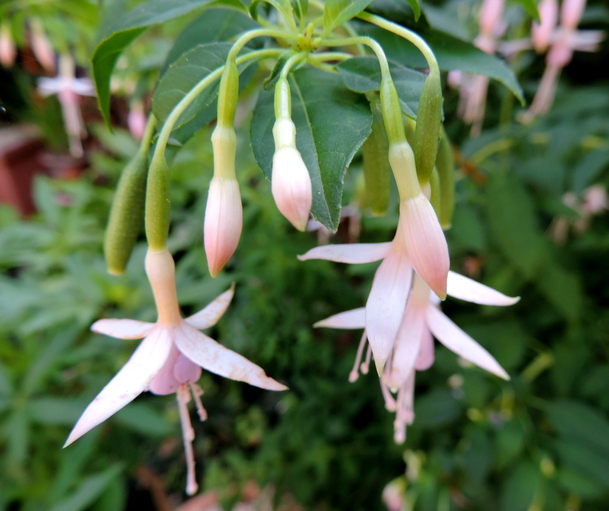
[130,381]
[571,13]
[426,356]
[425,242]
[165,382]
[214,357]
[355,253]
[407,345]
[210,315]
[469,290]
[122,328]
[386,304]
[353,319]
[186,371]
[462,344]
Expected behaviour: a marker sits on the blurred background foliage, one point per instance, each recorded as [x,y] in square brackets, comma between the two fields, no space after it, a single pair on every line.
[522,225]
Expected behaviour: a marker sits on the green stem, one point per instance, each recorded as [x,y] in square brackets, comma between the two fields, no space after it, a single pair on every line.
[409,35]
[283,102]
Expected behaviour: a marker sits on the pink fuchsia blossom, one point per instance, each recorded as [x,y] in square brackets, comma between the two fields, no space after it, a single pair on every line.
[8,49]
[564,41]
[41,46]
[414,347]
[170,357]
[68,89]
[542,32]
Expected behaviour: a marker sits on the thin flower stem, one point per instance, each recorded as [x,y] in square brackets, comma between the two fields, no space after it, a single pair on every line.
[363,40]
[409,35]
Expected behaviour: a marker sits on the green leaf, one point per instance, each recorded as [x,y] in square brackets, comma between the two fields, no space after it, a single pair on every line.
[514,224]
[562,289]
[336,12]
[578,422]
[183,75]
[530,6]
[144,419]
[363,74]
[90,489]
[125,29]
[451,52]
[331,125]
[436,408]
[519,489]
[300,7]
[586,461]
[214,25]
[416,8]
[55,410]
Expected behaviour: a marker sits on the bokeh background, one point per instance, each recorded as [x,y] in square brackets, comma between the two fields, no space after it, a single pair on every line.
[530,220]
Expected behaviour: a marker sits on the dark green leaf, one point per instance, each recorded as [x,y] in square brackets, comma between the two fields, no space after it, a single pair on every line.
[363,74]
[589,168]
[437,408]
[513,222]
[416,8]
[336,12]
[90,489]
[562,289]
[214,25]
[530,6]
[588,462]
[127,27]
[579,422]
[144,419]
[331,125]
[55,410]
[452,54]
[519,489]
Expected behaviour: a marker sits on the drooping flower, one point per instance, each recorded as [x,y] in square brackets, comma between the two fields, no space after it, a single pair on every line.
[413,348]
[68,88]
[170,357]
[8,49]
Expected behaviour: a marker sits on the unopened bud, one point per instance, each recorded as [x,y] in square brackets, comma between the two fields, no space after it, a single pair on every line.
[427,132]
[41,46]
[542,32]
[223,222]
[571,13]
[8,50]
[445,164]
[425,242]
[126,216]
[490,14]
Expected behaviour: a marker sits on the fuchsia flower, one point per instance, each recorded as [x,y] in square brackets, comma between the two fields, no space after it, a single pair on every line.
[170,357]
[8,50]
[564,41]
[413,346]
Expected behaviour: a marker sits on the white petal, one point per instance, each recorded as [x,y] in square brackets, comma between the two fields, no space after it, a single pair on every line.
[122,328]
[355,253]
[353,319]
[214,357]
[469,290]
[407,345]
[130,381]
[386,304]
[462,344]
[210,315]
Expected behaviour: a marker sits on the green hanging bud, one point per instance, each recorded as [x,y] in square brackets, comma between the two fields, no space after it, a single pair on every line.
[445,164]
[126,215]
[427,132]
[228,94]
[436,192]
[377,170]
[158,204]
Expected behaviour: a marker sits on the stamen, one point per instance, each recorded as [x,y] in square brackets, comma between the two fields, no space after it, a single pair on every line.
[188,435]
[390,403]
[354,374]
[365,367]
[197,392]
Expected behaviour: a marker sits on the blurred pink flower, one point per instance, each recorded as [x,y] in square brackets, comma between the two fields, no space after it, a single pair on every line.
[68,88]
[413,347]
[170,357]
[41,46]
[564,41]
[8,50]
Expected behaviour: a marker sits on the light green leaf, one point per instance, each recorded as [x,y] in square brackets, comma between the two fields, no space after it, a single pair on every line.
[300,7]
[416,8]
[363,74]
[331,125]
[336,12]
[451,52]
[125,29]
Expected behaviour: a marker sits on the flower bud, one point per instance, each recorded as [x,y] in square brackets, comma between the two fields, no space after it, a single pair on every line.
[542,32]
[427,132]
[490,14]
[223,222]
[571,13]
[8,51]
[291,183]
[41,46]
[127,215]
[445,164]
[425,242]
